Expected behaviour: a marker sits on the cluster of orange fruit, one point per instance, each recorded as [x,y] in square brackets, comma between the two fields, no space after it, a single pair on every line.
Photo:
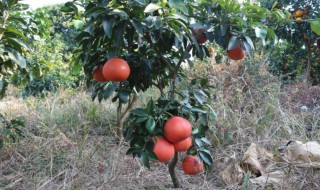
[234,54]
[177,131]
[300,15]
[115,70]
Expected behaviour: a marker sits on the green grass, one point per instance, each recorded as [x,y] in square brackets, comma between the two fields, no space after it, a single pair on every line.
[70,140]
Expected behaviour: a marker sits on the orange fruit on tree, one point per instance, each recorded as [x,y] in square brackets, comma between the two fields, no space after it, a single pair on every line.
[298,13]
[191,165]
[210,49]
[299,19]
[98,75]
[183,145]
[163,149]
[116,70]
[236,53]
[177,129]
[200,35]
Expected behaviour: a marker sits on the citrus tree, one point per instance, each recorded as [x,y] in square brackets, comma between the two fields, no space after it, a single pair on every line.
[13,46]
[298,53]
[13,41]
[18,27]
[126,47]
[49,67]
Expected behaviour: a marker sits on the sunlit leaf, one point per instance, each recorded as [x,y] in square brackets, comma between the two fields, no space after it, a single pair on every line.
[151,8]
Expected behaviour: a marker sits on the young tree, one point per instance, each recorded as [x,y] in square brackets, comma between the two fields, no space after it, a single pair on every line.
[154,38]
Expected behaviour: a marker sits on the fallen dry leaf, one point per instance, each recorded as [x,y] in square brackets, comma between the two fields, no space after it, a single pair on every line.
[233,173]
[302,154]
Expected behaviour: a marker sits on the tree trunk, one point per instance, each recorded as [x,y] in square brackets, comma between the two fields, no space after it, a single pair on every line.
[122,116]
[171,166]
[308,72]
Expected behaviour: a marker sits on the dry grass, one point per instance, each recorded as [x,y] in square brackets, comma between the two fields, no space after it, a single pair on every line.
[70,139]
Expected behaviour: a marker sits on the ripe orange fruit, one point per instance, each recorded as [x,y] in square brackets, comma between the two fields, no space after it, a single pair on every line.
[210,49]
[298,13]
[98,75]
[116,70]
[299,19]
[235,53]
[163,149]
[200,35]
[191,165]
[183,145]
[177,129]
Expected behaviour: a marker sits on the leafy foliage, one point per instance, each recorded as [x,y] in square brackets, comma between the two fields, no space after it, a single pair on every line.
[48,62]
[13,43]
[155,38]
[11,131]
[145,123]
[299,36]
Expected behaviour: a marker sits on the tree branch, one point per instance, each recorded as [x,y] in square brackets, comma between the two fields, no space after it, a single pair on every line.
[122,117]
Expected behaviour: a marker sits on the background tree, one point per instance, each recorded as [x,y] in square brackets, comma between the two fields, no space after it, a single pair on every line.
[14,38]
[298,53]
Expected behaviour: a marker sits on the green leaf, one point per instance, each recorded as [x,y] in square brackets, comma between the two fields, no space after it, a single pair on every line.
[206,157]
[142,2]
[151,155]
[17,43]
[199,143]
[248,48]
[198,98]
[15,31]
[315,26]
[78,24]
[17,57]
[261,33]
[66,9]
[150,107]
[1,144]
[121,13]
[12,2]
[131,151]
[176,3]
[249,41]
[3,86]
[139,112]
[124,95]
[107,24]
[233,43]
[138,26]
[151,8]
[145,160]
[118,36]
[180,17]
[76,69]
[214,114]
[205,140]
[195,131]
[157,21]
[150,125]
[141,119]
[100,95]
[109,90]
[198,110]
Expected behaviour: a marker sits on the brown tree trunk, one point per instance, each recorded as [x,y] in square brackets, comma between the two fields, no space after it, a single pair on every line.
[308,72]
[171,166]
[122,116]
